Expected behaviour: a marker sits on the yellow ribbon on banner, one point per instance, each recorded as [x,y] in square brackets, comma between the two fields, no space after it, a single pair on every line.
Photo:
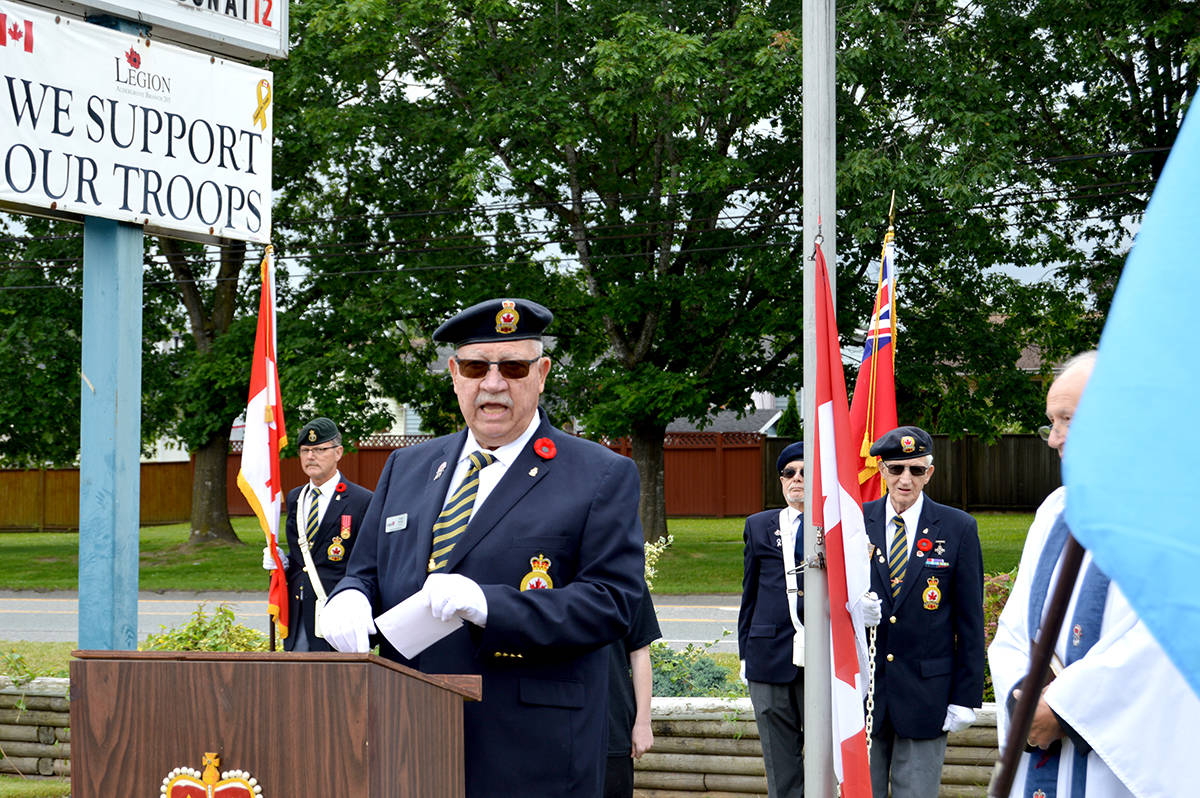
[264,100]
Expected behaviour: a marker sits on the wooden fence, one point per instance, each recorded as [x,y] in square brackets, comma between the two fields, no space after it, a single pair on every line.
[706,474]
[709,474]
[48,498]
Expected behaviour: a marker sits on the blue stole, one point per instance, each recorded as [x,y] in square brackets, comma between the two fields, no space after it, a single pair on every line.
[1041,777]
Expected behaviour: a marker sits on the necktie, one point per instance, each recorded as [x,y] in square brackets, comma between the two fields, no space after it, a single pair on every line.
[452,521]
[310,526]
[898,556]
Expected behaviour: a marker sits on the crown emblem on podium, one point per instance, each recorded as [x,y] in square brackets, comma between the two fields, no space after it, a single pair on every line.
[184,782]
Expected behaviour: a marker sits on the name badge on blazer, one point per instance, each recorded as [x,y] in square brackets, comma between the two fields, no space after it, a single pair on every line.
[396,523]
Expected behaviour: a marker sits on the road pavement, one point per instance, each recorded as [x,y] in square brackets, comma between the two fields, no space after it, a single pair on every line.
[53,616]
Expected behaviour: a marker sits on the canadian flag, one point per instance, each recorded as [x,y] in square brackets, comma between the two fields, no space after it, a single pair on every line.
[259,478]
[838,511]
[19,33]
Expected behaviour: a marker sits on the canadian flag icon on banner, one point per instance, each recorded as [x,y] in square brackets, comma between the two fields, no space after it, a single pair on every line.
[20,33]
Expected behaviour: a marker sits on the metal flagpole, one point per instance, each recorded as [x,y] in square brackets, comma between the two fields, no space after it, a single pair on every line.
[820,217]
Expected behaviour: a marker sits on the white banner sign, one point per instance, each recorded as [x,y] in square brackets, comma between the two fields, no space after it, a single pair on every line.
[99,123]
[243,29]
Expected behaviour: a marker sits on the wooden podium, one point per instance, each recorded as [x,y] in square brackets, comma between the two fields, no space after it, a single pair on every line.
[294,725]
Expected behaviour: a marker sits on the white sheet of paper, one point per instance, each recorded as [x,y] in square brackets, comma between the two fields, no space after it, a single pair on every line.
[411,627]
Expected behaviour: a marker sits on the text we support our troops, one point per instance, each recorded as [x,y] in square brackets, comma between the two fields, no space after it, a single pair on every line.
[138,130]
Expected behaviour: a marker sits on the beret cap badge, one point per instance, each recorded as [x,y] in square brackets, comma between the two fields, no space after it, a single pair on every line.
[908,444]
[507,318]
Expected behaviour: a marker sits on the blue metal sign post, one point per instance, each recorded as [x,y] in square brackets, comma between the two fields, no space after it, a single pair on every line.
[110,434]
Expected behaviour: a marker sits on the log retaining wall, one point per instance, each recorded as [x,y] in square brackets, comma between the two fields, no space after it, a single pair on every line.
[701,745]
[711,746]
[35,733]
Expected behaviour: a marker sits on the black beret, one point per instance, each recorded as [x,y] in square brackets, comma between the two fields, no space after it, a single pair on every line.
[495,320]
[793,451]
[319,430]
[903,443]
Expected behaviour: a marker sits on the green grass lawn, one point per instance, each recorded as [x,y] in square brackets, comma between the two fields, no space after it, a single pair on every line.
[706,555]
[50,560]
[21,787]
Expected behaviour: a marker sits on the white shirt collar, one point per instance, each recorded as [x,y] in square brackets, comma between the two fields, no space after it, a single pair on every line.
[328,486]
[788,516]
[911,516]
[507,453]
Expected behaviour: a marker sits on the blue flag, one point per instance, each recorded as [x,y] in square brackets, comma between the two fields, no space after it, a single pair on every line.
[1132,464]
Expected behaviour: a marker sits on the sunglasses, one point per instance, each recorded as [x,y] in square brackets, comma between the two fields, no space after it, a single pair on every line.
[509,369]
[897,470]
[788,473]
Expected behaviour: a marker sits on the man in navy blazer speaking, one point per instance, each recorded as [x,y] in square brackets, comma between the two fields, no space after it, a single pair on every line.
[529,535]
[927,567]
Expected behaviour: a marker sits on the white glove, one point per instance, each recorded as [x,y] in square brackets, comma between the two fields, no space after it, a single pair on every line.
[346,621]
[958,718]
[454,594]
[269,561]
[742,672]
[872,609]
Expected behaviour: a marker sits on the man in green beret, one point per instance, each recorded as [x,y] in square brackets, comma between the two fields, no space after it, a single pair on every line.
[323,518]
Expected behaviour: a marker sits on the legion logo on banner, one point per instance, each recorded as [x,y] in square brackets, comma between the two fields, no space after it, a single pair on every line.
[95,122]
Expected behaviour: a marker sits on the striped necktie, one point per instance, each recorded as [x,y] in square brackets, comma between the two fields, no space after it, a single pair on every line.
[314,504]
[453,519]
[898,556]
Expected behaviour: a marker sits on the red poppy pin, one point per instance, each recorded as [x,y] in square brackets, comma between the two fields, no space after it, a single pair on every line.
[545,448]
[924,545]
[341,487]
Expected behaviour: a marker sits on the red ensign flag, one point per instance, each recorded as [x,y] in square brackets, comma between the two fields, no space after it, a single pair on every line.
[838,511]
[259,478]
[873,412]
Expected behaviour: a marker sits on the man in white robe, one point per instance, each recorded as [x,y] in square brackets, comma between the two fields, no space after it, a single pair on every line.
[1120,716]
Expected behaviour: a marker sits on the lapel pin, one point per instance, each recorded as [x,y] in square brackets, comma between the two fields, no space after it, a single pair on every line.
[441,468]
[533,471]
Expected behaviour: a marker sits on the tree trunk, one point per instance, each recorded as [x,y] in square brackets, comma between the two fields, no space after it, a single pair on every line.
[647,445]
[210,506]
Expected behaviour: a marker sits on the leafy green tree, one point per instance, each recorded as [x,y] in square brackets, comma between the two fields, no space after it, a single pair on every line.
[790,425]
[40,321]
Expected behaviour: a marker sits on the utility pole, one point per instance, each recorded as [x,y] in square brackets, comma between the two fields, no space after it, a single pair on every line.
[819,220]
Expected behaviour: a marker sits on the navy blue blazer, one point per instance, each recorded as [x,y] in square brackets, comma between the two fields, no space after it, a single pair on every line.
[764,626]
[541,726]
[331,565]
[929,645]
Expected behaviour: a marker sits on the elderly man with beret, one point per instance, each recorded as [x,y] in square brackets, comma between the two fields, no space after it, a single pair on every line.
[770,632]
[529,535]
[927,568]
[323,519]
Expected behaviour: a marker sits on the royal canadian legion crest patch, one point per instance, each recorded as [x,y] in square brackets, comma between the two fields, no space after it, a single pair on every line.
[539,577]
[507,318]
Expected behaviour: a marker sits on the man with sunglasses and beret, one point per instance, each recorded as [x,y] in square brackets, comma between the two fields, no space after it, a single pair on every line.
[527,534]
[927,567]
[323,519]
[770,628]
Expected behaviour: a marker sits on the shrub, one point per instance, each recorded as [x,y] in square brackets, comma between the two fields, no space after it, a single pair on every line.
[653,552]
[217,632]
[996,588]
[692,672]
